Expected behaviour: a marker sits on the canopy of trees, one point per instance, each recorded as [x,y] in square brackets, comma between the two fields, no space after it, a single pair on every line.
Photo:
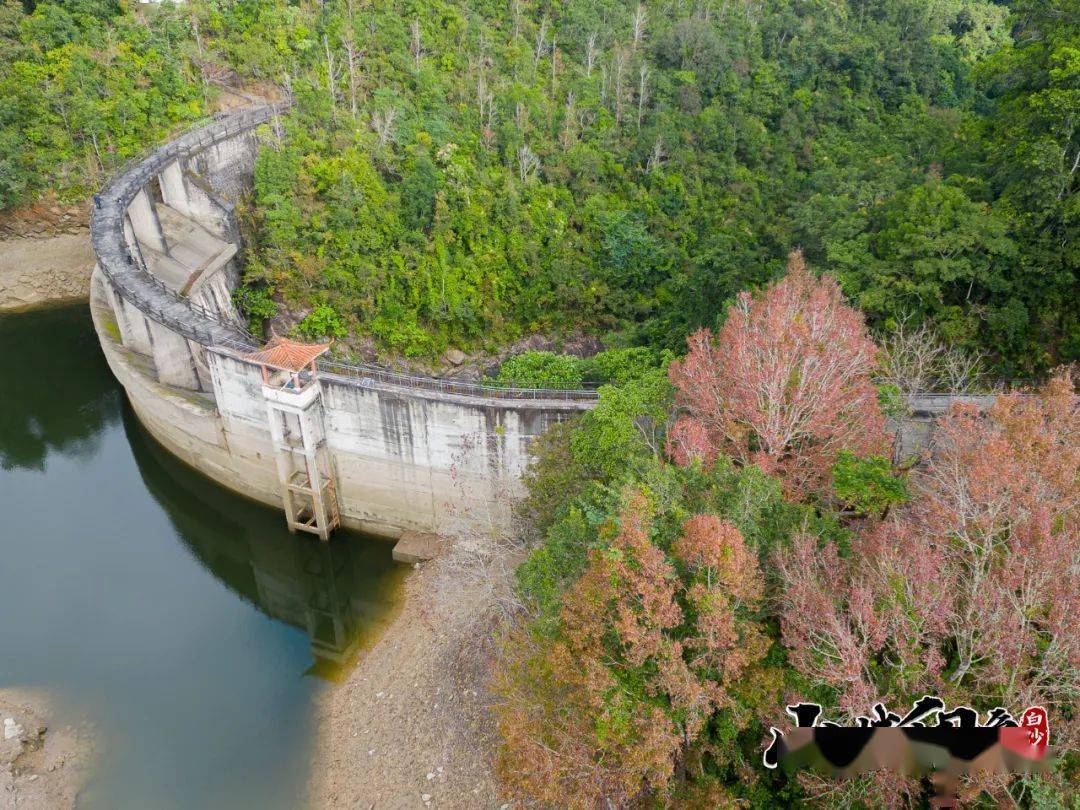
[85,85]
[672,606]
[460,173]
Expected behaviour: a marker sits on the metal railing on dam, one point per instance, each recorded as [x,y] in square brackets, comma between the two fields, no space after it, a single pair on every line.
[372,448]
[933,404]
[130,276]
[127,271]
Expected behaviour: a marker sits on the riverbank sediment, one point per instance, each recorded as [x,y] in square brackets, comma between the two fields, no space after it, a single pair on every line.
[42,766]
[39,271]
[409,726]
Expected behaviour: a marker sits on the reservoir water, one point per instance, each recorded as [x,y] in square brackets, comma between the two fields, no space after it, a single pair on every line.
[184,622]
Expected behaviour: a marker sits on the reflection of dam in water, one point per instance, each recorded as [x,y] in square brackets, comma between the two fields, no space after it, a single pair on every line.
[339,593]
[146,600]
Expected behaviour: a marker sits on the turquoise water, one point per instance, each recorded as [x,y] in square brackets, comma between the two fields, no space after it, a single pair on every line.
[184,622]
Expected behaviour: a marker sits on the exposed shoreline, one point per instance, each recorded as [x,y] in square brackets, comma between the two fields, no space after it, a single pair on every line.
[43,765]
[408,726]
[45,271]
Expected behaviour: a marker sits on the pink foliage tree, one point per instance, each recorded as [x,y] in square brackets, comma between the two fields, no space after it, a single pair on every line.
[970,591]
[786,384]
[650,647]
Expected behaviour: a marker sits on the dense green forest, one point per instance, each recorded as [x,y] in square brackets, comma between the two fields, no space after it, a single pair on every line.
[84,86]
[460,174]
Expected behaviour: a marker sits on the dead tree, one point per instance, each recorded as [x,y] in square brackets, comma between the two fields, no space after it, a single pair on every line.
[331,78]
[352,60]
[569,134]
[590,54]
[528,162]
[656,156]
[619,61]
[637,26]
[643,92]
[516,12]
[915,360]
[416,46]
[554,60]
[540,45]
[383,125]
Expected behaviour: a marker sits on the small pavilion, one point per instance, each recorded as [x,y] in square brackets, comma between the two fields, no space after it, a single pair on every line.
[294,361]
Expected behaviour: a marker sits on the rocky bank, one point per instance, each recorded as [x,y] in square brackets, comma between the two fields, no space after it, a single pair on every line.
[42,766]
[45,254]
[409,727]
[46,270]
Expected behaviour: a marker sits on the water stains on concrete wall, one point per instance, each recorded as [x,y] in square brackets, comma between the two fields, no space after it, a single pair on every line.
[402,457]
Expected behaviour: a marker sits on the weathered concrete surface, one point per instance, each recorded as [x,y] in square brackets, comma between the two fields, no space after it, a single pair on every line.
[194,254]
[401,463]
[406,453]
[417,547]
[36,272]
[185,422]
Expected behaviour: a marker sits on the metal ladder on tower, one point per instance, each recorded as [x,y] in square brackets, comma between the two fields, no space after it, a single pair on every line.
[295,411]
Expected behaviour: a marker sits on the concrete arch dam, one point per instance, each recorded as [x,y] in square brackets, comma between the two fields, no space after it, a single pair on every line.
[361,446]
[371,449]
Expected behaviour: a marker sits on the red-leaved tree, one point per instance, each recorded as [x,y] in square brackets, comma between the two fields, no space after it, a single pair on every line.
[785,385]
[648,649]
[971,591]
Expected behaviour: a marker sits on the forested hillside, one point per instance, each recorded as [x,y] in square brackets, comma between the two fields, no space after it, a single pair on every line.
[779,216]
[731,537]
[85,85]
[460,174]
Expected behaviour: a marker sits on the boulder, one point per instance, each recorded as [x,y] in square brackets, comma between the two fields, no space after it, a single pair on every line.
[12,729]
[417,547]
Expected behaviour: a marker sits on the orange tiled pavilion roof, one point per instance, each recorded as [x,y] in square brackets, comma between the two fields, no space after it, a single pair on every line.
[287,355]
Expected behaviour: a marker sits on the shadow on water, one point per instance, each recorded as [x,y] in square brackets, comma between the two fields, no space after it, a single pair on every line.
[178,618]
[340,593]
[66,393]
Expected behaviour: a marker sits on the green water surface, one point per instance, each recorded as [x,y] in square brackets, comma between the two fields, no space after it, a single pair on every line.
[184,622]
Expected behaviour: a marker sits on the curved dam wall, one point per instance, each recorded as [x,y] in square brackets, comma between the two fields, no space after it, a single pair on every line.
[399,452]
[402,452]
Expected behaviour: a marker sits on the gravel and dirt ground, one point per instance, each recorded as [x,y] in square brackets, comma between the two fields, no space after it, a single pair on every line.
[45,270]
[409,727]
[42,767]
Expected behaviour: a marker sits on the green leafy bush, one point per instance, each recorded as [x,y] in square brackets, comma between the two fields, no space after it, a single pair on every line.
[322,322]
[256,302]
[627,425]
[867,485]
[618,366]
[540,370]
[891,400]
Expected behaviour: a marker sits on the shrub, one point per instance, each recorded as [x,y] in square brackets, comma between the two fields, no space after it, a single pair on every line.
[255,302]
[618,366]
[323,321]
[540,370]
[867,485]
